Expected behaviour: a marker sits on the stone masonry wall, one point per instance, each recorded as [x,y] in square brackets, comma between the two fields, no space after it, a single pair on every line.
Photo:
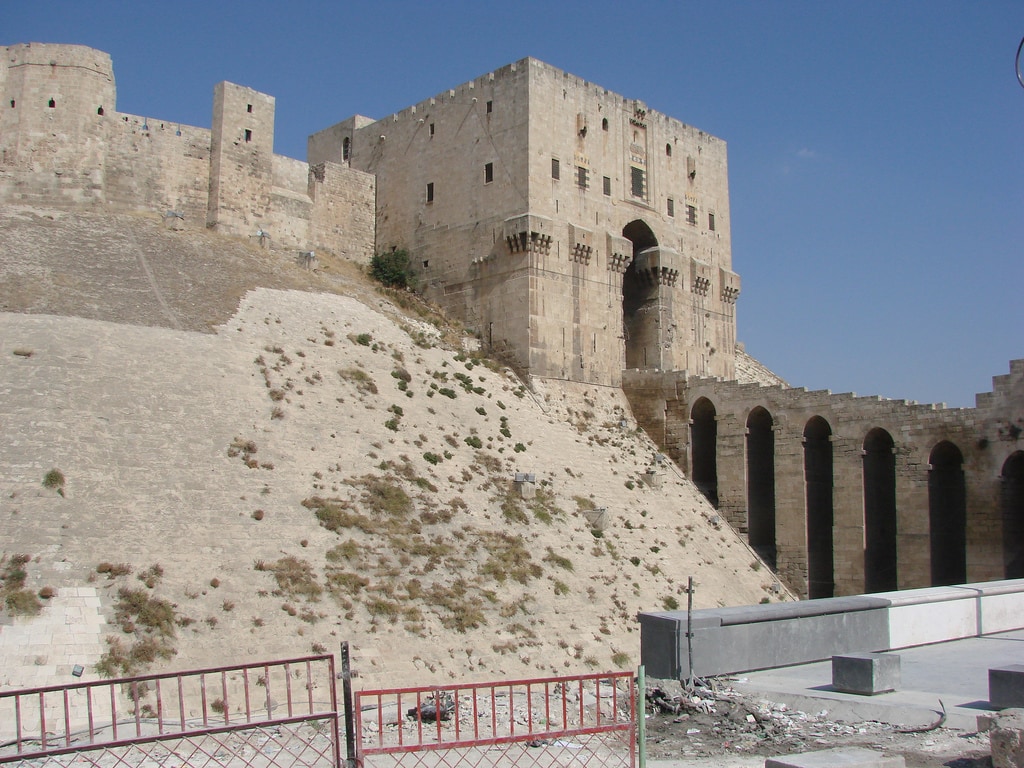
[82,152]
[343,210]
[985,436]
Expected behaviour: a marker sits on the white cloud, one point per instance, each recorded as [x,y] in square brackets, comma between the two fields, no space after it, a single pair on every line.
[806,154]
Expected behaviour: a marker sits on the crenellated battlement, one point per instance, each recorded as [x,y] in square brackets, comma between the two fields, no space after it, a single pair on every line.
[63,143]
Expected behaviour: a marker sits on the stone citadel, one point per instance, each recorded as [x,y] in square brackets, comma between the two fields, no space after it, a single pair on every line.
[587,237]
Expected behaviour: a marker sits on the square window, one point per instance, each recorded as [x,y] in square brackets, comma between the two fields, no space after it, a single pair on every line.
[582,177]
[430,192]
[248,107]
[607,185]
[691,214]
[490,107]
[555,171]
[638,182]
[711,222]
[488,173]
[671,207]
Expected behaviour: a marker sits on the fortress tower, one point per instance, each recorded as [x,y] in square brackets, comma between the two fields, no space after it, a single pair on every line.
[241,158]
[571,226]
[57,103]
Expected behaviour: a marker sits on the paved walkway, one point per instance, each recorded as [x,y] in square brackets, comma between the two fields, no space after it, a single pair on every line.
[955,673]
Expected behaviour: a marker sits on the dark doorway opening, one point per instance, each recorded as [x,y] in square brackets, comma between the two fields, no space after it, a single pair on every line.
[703,448]
[639,303]
[1011,502]
[820,510]
[947,515]
[879,512]
[761,484]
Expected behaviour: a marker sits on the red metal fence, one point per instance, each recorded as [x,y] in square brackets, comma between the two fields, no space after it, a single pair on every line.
[560,721]
[275,714]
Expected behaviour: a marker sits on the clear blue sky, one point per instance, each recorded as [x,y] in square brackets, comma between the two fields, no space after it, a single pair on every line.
[876,149]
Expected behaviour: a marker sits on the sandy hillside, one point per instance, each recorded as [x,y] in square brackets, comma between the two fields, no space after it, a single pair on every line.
[321,467]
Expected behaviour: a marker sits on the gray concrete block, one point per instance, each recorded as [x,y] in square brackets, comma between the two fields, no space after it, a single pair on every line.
[866,673]
[1006,686]
[841,757]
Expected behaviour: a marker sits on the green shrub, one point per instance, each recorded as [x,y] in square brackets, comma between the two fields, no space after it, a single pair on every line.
[474,442]
[393,268]
[54,480]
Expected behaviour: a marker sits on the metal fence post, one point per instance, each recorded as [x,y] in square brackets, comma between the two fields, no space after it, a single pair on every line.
[346,689]
[641,716]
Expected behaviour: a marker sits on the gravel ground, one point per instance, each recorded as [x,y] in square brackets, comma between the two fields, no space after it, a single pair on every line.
[716,724]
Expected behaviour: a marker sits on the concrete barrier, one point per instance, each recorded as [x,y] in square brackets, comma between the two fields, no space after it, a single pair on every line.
[866,674]
[1006,687]
[747,638]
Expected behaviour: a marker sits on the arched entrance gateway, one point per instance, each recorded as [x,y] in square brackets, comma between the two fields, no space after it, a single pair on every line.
[640,303]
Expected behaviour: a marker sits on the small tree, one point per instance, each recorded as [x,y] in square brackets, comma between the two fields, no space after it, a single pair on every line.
[393,268]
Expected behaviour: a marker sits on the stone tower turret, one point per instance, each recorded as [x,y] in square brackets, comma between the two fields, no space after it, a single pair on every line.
[57,103]
[241,159]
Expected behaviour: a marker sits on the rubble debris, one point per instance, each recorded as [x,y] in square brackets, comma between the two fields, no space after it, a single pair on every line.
[428,711]
[711,719]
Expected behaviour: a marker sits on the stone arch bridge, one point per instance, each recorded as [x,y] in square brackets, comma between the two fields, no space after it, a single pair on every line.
[843,494]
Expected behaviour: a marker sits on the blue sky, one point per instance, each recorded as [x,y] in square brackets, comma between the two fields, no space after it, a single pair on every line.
[876,149]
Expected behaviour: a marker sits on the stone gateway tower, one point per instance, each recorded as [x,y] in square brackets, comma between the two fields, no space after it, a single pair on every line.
[567,225]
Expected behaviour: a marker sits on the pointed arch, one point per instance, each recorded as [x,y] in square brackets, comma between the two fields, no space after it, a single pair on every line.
[818,484]
[879,512]
[639,302]
[761,484]
[1011,503]
[704,448]
[947,515]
